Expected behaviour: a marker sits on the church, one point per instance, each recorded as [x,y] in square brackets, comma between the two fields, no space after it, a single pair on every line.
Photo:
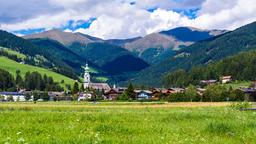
[91,85]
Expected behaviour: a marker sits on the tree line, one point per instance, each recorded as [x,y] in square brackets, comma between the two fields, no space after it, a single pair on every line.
[31,81]
[240,67]
[212,93]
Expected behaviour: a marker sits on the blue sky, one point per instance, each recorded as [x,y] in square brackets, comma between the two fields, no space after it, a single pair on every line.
[123,18]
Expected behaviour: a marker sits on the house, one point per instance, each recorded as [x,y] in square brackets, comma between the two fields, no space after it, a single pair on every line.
[171,90]
[15,96]
[112,94]
[143,94]
[58,96]
[226,79]
[200,91]
[84,96]
[156,93]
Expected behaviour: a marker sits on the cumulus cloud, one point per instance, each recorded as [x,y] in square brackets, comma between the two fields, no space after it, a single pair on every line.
[228,14]
[121,19]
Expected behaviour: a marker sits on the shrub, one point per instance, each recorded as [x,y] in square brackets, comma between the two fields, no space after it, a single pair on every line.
[240,105]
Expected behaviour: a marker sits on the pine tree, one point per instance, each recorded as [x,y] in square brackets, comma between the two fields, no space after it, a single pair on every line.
[130,92]
[82,88]
[19,80]
[75,88]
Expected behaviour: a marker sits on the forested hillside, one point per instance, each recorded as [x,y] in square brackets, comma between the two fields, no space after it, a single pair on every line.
[240,67]
[110,58]
[202,53]
[35,55]
[12,67]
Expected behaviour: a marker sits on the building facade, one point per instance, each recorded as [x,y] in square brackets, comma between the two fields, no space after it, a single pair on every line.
[90,85]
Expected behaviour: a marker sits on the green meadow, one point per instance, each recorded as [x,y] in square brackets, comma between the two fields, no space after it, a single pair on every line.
[125,123]
[12,52]
[13,66]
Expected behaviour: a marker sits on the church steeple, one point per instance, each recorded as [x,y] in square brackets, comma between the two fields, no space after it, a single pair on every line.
[87,79]
[86,67]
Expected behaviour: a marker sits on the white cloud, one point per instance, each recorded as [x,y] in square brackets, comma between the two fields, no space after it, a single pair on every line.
[238,13]
[119,19]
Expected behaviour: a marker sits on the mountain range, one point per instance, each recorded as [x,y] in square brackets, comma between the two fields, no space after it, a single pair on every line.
[152,48]
[142,60]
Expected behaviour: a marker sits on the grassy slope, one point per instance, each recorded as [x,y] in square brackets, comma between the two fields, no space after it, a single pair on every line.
[12,66]
[12,52]
[76,123]
[238,84]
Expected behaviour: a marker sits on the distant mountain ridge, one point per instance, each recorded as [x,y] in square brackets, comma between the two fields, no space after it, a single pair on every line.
[66,38]
[202,53]
[152,48]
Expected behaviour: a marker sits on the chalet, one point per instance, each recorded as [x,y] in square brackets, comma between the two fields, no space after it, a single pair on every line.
[112,94]
[15,96]
[143,94]
[226,79]
[156,93]
[172,90]
[168,91]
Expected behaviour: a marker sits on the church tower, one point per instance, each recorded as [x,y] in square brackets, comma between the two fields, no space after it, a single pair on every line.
[86,76]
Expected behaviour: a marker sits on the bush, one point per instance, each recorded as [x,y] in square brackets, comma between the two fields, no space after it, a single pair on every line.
[215,93]
[236,95]
[176,97]
[123,96]
[240,105]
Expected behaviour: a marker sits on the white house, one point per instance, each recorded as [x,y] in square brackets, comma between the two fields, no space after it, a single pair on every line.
[16,96]
[226,79]
[84,96]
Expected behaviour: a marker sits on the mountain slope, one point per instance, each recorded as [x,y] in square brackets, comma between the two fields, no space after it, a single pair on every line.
[12,66]
[59,51]
[106,56]
[165,41]
[241,67]
[36,55]
[203,52]
[66,38]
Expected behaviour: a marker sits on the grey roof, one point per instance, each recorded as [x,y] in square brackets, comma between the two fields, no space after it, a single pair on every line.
[99,86]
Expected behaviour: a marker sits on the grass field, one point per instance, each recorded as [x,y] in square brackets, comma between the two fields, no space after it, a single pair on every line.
[126,123]
[13,66]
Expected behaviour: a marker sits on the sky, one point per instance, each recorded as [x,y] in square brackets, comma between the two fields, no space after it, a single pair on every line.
[120,19]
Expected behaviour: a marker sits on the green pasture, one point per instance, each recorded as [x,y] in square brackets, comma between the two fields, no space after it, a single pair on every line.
[124,123]
[13,66]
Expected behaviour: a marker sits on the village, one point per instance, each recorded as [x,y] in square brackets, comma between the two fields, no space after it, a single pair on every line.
[103,92]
